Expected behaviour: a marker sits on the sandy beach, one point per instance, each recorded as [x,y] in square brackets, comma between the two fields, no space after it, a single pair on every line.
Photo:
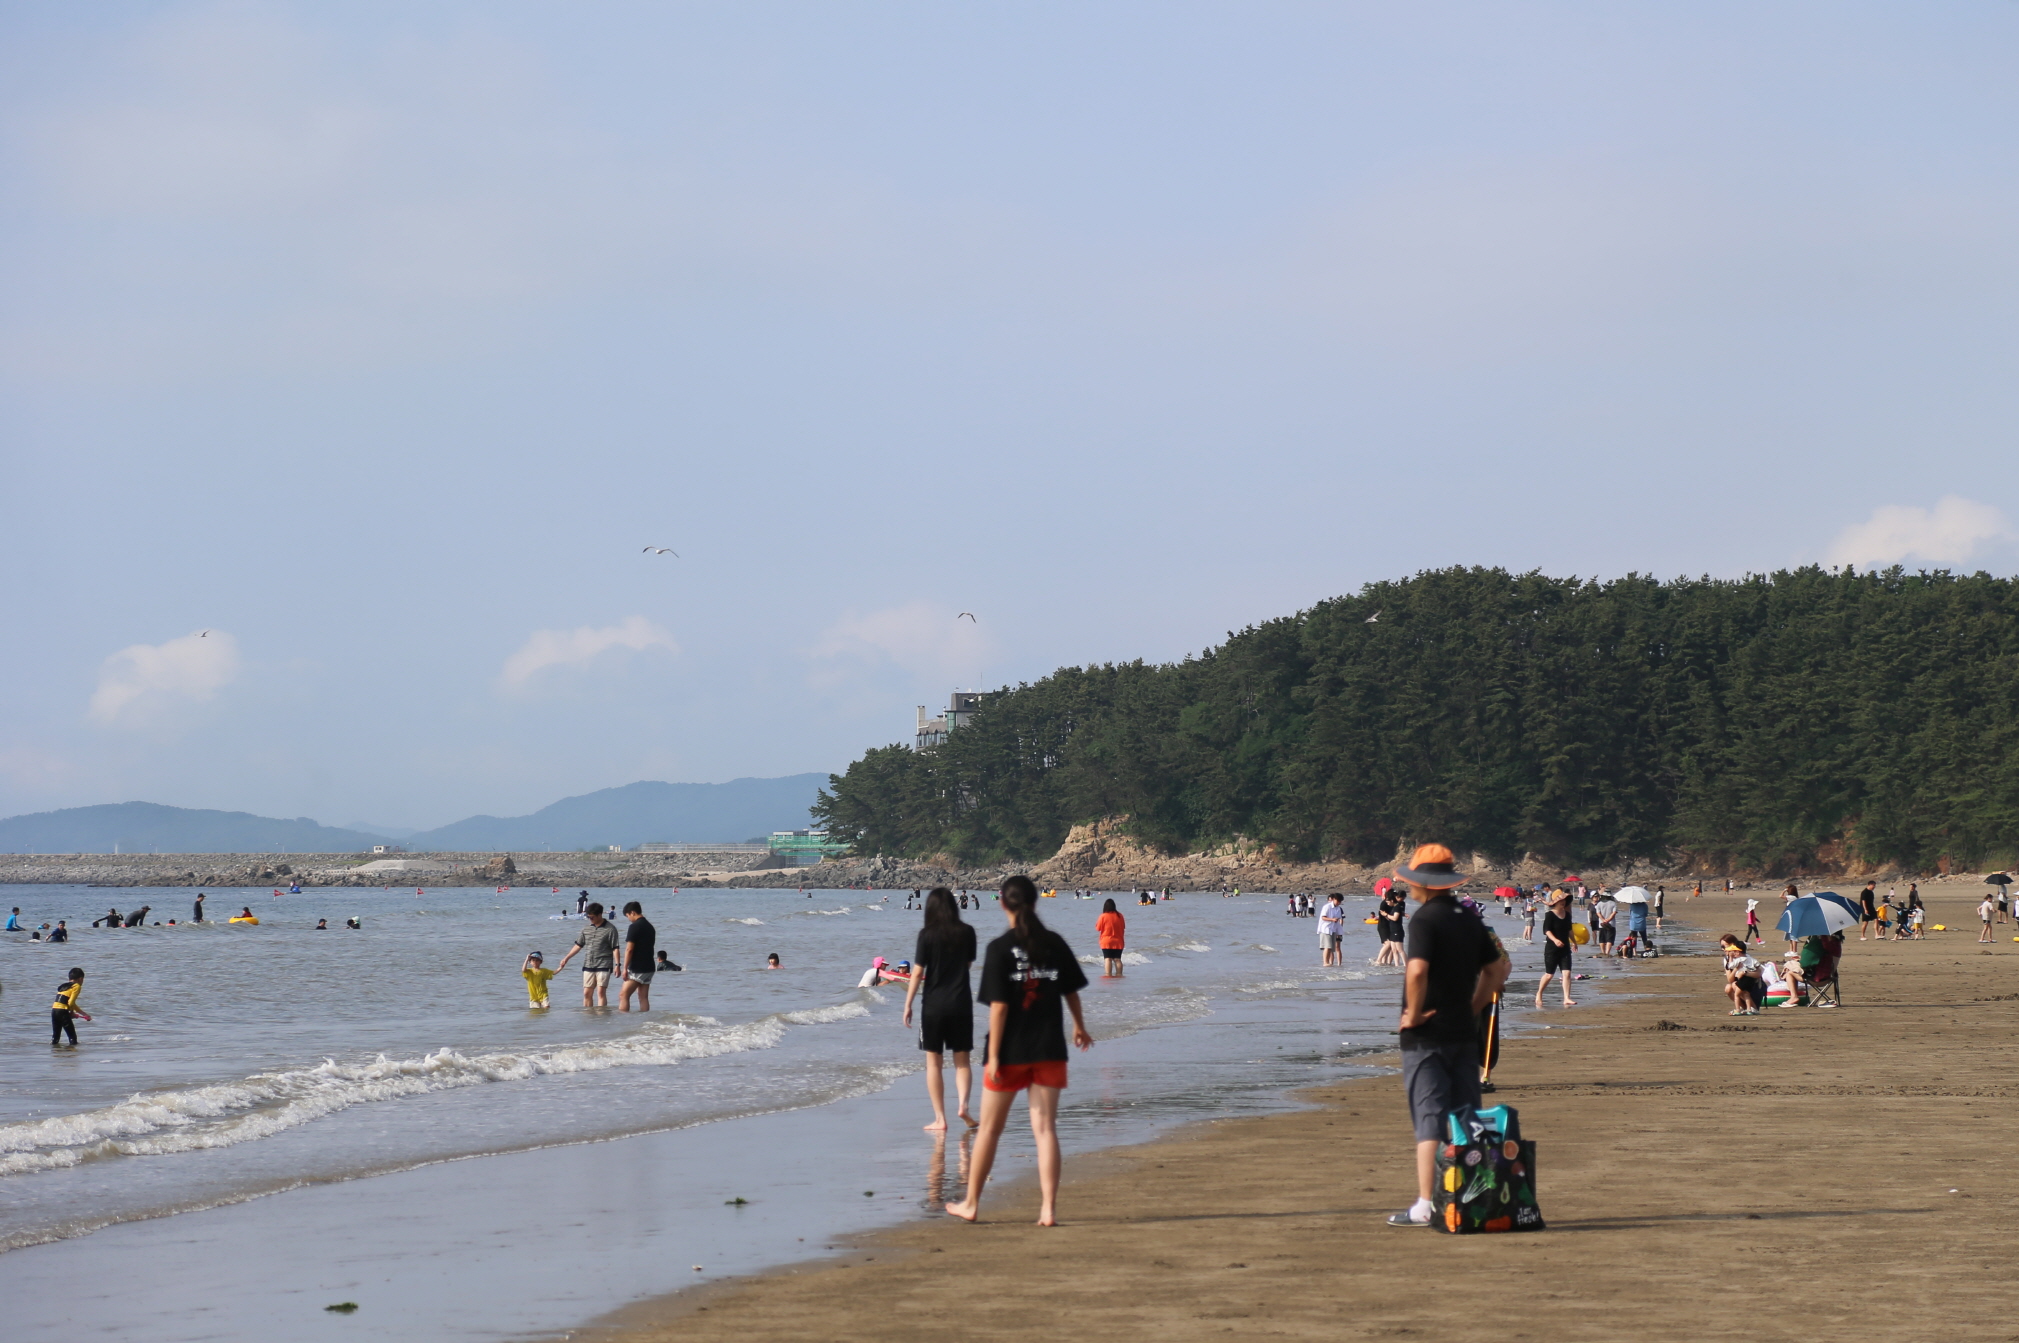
[1833,1172]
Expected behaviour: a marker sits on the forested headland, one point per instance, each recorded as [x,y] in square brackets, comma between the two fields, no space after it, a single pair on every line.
[1770,723]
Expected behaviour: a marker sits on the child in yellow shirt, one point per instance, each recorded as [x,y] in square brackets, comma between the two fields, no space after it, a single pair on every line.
[536,976]
[64,1011]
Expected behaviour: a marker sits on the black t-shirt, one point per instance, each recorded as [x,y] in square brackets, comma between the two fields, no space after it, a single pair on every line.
[1560,925]
[1458,947]
[641,937]
[1035,1031]
[1870,900]
[1390,915]
[946,955]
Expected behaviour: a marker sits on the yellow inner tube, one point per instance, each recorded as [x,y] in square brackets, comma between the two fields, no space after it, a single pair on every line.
[240,918]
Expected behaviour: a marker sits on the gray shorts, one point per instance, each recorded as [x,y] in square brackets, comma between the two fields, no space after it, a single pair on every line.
[639,977]
[1328,941]
[1439,1078]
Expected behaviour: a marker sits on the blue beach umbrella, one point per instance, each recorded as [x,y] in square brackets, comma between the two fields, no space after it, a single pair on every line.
[1818,914]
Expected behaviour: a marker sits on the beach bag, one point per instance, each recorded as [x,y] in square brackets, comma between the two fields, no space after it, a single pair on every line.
[1485,1180]
[1580,934]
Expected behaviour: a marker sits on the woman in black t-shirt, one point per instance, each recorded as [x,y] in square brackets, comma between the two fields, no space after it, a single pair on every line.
[1390,927]
[1556,945]
[939,967]
[1027,978]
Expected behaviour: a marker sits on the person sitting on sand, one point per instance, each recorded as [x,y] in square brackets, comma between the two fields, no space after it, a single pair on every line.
[1743,987]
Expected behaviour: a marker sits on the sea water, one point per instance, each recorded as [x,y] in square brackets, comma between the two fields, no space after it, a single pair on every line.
[226,1062]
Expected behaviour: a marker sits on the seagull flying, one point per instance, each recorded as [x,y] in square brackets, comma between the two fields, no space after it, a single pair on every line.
[969,615]
[661,550]
[204,635]
[1371,619]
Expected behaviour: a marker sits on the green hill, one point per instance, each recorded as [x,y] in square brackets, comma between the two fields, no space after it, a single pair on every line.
[1768,723]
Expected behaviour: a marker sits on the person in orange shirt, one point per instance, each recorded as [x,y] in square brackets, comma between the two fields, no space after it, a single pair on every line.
[1110,926]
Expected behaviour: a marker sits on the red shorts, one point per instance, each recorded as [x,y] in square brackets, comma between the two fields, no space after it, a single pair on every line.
[1017,1076]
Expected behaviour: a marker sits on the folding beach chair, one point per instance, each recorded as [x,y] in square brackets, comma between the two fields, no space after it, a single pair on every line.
[1825,992]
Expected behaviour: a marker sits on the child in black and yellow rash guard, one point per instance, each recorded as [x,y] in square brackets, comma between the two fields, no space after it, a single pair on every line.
[64,1008]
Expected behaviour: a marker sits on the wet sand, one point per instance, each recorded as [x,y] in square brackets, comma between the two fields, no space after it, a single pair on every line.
[1847,1173]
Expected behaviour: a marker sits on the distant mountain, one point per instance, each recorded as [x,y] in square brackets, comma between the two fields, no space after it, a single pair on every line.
[640,813]
[637,813]
[148,827]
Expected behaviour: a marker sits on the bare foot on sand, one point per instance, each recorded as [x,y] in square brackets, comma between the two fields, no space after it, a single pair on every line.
[936,1126]
[969,1120]
[1048,1219]
[964,1210]
[1538,1002]
[1570,1002]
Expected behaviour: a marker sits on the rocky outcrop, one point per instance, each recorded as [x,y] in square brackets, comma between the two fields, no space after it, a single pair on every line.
[501,868]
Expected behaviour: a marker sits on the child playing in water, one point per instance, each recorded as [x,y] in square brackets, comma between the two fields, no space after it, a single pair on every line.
[65,1008]
[536,975]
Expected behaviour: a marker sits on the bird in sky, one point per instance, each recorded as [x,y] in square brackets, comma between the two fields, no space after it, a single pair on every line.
[204,635]
[661,550]
[969,615]
[1371,619]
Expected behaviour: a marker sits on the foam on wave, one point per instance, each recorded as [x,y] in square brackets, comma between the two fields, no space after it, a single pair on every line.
[225,1114]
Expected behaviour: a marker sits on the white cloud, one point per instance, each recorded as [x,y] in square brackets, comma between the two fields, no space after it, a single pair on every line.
[1951,532]
[139,683]
[574,648]
[926,640]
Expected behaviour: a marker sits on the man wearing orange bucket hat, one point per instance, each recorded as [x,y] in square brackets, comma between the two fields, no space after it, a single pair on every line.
[1452,968]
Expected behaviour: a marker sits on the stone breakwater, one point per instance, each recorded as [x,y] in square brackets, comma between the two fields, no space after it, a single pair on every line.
[1099,856]
[227,870]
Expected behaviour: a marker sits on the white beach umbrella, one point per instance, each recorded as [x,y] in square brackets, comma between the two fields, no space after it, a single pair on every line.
[1632,895]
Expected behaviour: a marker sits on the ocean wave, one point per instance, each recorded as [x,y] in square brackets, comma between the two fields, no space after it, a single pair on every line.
[1128,958]
[1189,946]
[754,923]
[226,1114]
[842,910]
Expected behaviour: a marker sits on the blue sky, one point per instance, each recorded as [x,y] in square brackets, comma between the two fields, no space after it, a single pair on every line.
[377,340]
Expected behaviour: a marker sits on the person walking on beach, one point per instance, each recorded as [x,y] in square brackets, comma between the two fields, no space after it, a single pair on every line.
[1332,931]
[1112,929]
[1605,910]
[64,1012]
[1985,909]
[598,945]
[1453,968]
[1556,945]
[1028,975]
[939,964]
[1753,921]
[1528,919]
[1660,905]
[1868,909]
[637,968]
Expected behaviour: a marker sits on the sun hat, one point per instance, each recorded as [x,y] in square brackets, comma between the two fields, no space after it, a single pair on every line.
[878,962]
[1432,865]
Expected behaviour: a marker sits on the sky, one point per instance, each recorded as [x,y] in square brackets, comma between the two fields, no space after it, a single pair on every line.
[352,355]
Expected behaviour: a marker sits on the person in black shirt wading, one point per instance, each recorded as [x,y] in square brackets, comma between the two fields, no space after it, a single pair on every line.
[1453,967]
[1028,975]
[637,968]
[939,966]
